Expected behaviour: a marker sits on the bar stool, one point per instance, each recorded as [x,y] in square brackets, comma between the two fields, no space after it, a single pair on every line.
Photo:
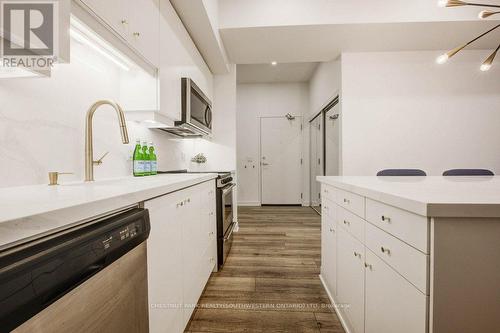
[401,172]
[468,172]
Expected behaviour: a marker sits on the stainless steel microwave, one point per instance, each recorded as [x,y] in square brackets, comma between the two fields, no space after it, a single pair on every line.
[196,118]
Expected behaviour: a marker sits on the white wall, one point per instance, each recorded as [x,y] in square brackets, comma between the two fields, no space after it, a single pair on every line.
[255,101]
[220,149]
[324,85]
[402,110]
[42,119]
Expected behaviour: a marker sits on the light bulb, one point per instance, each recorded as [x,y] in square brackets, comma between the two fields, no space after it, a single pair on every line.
[486,13]
[442,59]
[485,67]
[442,3]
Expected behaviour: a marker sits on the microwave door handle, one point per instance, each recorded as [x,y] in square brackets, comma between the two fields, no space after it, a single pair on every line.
[208,121]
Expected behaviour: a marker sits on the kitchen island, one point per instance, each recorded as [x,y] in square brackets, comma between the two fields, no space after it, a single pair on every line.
[412,254]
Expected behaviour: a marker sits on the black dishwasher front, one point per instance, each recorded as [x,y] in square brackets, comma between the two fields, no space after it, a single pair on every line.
[36,274]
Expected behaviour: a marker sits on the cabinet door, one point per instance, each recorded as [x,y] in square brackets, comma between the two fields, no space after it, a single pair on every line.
[209,221]
[165,278]
[144,28]
[193,250]
[329,246]
[350,279]
[393,305]
[113,12]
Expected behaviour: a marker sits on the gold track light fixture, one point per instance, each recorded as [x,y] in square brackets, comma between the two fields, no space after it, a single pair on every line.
[482,15]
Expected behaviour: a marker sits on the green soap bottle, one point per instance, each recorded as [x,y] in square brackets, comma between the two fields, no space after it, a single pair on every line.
[145,158]
[138,163]
[152,159]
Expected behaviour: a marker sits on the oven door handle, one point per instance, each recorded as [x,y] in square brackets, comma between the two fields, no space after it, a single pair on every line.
[230,233]
[228,188]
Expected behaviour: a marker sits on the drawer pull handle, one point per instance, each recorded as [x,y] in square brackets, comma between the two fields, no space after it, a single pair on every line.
[332,230]
[347,222]
[356,254]
[385,250]
[368,266]
[386,219]
[347,201]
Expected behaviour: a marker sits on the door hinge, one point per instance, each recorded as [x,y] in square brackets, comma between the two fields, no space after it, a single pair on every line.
[301,161]
[319,161]
[301,127]
[301,196]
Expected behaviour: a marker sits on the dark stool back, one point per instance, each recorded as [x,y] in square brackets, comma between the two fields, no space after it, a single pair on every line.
[401,172]
[468,172]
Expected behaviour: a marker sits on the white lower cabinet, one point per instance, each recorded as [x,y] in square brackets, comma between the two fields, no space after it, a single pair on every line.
[329,248]
[181,254]
[351,279]
[165,276]
[392,305]
[378,282]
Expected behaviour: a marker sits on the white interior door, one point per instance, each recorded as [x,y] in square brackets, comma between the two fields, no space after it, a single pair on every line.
[281,169]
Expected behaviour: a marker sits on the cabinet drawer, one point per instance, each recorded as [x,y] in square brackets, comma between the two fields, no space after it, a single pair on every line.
[409,227]
[352,202]
[354,224]
[328,192]
[392,304]
[406,260]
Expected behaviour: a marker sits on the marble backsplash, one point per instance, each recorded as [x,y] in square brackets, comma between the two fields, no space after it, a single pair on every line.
[42,125]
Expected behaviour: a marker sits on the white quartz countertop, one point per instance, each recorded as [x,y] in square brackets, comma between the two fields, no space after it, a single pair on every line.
[428,196]
[32,211]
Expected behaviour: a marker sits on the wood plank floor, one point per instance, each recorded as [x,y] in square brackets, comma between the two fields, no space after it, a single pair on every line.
[270,280]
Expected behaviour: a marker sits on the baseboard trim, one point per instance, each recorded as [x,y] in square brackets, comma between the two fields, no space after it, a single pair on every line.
[334,302]
[249,203]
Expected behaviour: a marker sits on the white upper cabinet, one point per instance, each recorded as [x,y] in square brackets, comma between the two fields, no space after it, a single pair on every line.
[144,28]
[136,21]
[113,12]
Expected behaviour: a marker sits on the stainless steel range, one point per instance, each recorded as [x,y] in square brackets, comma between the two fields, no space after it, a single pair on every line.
[225,212]
[225,216]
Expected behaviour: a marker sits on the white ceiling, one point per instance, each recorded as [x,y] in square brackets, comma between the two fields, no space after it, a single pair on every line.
[266,13]
[266,73]
[300,33]
[317,43]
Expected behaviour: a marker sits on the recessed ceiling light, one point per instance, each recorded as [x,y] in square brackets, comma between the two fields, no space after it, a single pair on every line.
[274,63]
